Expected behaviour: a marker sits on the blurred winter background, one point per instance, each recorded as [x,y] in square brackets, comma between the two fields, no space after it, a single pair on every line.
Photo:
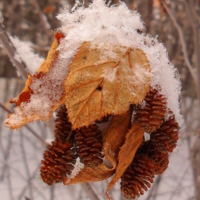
[176,24]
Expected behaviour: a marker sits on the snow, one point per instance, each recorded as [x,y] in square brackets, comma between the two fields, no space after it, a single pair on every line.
[26,53]
[110,74]
[105,26]
[77,168]
[109,26]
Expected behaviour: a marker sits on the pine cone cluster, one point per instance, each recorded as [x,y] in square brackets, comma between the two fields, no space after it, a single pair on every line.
[151,115]
[152,153]
[86,143]
[60,157]
[139,175]
[89,145]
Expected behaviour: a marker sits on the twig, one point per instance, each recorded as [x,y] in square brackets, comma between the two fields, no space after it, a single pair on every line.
[52,190]
[10,185]
[90,192]
[25,188]
[195,28]
[26,164]
[179,182]
[43,18]
[194,12]
[37,47]
[6,156]
[183,43]
[28,127]
[11,51]
[154,188]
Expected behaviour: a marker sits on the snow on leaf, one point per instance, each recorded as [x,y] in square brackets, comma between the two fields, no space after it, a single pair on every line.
[26,111]
[86,100]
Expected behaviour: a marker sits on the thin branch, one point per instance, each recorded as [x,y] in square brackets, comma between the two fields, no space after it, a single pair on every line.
[11,51]
[44,21]
[6,156]
[195,28]
[30,179]
[89,191]
[183,43]
[28,127]
[194,12]
[154,188]
[26,164]
[10,188]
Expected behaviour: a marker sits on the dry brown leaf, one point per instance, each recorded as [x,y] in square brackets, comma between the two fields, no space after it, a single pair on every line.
[126,154]
[113,140]
[88,174]
[95,87]
[26,93]
[115,137]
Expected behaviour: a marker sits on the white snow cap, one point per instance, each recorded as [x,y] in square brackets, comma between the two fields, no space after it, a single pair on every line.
[26,53]
[106,26]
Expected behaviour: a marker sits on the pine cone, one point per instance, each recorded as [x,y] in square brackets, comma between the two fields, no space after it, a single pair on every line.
[161,160]
[165,138]
[63,126]
[61,154]
[151,116]
[58,161]
[89,145]
[138,176]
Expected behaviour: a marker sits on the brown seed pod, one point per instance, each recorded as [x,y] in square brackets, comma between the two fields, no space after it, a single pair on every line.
[138,176]
[151,115]
[63,126]
[161,160]
[89,145]
[61,154]
[165,138]
[58,162]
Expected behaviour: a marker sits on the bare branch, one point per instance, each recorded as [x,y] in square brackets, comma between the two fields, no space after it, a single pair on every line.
[11,51]
[43,18]
[183,43]
[194,12]
[26,164]
[90,192]
[28,127]
[195,28]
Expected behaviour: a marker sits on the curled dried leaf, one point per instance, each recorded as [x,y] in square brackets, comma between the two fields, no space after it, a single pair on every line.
[115,137]
[111,146]
[91,174]
[134,139]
